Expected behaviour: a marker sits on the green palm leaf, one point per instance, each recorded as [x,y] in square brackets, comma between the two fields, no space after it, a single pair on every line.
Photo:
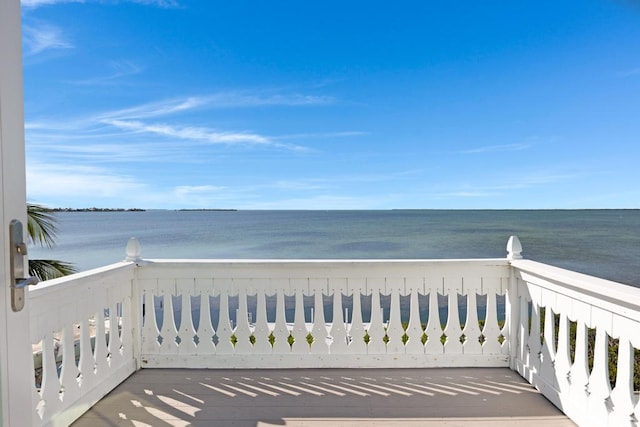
[41,225]
[41,229]
[47,269]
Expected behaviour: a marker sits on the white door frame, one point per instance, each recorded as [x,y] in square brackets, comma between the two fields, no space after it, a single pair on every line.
[16,365]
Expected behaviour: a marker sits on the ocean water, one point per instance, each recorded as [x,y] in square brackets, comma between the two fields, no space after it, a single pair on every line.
[603,243]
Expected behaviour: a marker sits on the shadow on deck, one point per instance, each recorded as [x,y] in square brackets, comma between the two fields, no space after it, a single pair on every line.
[324,397]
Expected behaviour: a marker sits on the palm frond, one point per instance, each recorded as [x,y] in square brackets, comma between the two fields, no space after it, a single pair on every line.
[47,269]
[41,225]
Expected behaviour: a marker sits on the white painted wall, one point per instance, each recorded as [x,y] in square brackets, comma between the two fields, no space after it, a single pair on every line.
[15,369]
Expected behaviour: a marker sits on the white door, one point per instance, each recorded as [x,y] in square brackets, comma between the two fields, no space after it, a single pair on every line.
[15,347]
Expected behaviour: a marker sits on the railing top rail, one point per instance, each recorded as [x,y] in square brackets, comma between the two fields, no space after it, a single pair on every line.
[94,275]
[593,290]
[499,261]
[353,268]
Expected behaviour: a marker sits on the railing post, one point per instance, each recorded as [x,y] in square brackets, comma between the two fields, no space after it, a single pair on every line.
[514,251]
[514,248]
[133,252]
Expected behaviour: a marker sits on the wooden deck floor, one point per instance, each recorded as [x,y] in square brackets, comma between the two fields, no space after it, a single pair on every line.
[324,397]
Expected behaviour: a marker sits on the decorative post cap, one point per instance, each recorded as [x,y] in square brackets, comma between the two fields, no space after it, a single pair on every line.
[514,248]
[133,250]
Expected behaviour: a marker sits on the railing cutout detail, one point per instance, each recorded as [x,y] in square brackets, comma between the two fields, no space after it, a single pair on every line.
[323,320]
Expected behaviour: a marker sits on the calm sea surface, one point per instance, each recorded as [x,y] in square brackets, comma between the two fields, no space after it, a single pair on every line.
[604,243]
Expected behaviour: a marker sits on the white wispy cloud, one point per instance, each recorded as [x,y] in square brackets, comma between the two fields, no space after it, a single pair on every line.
[315,202]
[497,148]
[525,181]
[109,153]
[191,133]
[155,109]
[120,69]
[240,99]
[43,37]
[187,190]
[153,131]
[50,181]
[134,119]
[198,196]
[264,98]
[344,134]
[32,4]
[68,184]
[158,3]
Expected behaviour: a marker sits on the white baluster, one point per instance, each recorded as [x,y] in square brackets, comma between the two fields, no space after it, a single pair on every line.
[512,315]
[622,396]
[280,331]
[502,291]
[261,331]
[87,360]
[491,330]
[70,372]
[319,330]
[563,358]
[414,330]
[205,331]
[37,405]
[115,341]
[187,330]
[224,326]
[548,349]
[523,333]
[356,331]
[395,330]
[579,375]
[338,332]
[150,331]
[376,327]
[242,331]
[471,326]
[453,331]
[100,350]
[126,335]
[599,386]
[299,332]
[636,412]
[169,331]
[50,387]
[434,327]
[534,337]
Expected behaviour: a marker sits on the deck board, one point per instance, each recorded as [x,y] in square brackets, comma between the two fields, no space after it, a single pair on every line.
[324,397]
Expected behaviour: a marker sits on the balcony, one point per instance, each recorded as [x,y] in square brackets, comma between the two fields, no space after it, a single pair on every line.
[289,342]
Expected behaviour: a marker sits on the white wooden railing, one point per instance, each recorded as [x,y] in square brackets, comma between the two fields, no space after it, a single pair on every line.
[304,324]
[569,321]
[84,333]
[386,313]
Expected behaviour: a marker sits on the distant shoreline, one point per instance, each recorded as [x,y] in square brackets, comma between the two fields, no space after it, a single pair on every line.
[206,210]
[96,210]
[135,210]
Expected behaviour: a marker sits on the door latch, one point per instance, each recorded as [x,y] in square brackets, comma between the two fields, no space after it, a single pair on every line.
[19,278]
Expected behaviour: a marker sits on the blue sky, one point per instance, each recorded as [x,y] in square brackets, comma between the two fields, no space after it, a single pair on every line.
[332,105]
